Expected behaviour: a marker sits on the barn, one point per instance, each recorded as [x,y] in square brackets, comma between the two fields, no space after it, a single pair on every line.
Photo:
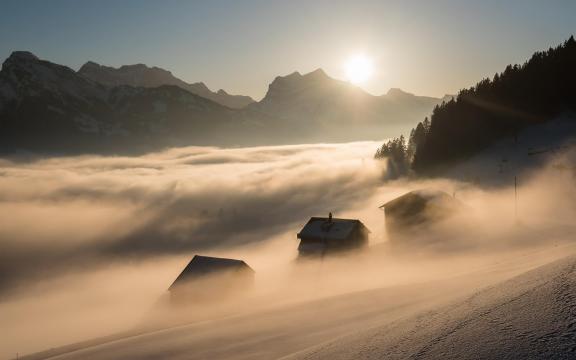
[208,278]
[323,235]
[416,210]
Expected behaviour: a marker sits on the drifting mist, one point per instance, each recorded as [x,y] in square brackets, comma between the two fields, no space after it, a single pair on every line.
[90,244]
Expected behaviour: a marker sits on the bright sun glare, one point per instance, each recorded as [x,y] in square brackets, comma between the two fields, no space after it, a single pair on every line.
[359,68]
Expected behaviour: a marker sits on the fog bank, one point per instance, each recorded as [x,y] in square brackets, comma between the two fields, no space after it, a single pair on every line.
[90,244]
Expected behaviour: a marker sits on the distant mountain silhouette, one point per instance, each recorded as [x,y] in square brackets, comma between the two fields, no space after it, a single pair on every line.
[327,106]
[46,107]
[144,76]
[538,91]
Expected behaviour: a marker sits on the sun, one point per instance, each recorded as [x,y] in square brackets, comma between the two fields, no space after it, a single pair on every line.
[358,68]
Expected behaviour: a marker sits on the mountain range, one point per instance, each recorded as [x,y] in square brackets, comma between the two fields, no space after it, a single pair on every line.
[339,110]
[49,107]
[140,75]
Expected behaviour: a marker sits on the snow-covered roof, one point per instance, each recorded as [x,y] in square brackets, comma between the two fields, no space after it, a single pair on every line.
[324,229]
[201,266]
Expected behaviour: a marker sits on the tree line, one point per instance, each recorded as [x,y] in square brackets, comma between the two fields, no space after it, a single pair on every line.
[536,91]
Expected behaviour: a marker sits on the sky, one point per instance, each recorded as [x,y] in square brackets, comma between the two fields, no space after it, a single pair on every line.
[424,47]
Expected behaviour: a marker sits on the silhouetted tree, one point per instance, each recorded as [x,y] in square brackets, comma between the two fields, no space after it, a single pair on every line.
[417,138]
[395,151]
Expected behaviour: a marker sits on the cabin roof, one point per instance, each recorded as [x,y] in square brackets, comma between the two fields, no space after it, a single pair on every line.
[425,195]
[201,266]
[335,229]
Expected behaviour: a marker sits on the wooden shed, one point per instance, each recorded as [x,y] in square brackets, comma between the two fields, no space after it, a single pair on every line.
[416,210]
[208,278]
[323,235]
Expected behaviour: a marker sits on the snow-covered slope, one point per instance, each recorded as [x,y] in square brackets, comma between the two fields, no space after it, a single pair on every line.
[144,76]
[534,146]
[400,320]
[532,316]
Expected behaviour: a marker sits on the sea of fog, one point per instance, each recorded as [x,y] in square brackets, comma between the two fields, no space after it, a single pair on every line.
[69,223]
[89,244]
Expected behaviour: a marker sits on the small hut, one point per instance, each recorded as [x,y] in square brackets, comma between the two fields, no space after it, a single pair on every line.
[208,278]
[416,210]
[322,235]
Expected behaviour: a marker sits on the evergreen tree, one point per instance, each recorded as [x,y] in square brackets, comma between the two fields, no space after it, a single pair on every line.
[395,152]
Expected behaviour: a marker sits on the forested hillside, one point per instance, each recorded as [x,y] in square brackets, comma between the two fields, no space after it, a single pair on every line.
[537,91]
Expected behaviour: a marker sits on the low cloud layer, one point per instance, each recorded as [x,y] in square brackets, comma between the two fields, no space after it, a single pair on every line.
[60,212]
[89,244]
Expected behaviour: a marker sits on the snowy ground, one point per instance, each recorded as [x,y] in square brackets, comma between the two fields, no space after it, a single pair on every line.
[518,156]
[531,316]
[525,315]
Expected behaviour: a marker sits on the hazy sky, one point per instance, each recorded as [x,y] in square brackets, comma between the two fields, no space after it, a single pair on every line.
[425,47]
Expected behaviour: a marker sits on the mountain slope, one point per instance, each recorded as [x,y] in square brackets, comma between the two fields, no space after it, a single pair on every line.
[537,91]
[141,75]
[326,325]
[337,109]
[40,100]
[528,317]
[45,106]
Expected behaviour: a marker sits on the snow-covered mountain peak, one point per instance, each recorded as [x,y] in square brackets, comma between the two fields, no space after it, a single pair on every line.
[25,74]
[20,59]
[22,56]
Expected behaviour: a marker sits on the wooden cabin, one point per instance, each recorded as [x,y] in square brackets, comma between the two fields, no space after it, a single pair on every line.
[208,279]
[416,211]
[323,235]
